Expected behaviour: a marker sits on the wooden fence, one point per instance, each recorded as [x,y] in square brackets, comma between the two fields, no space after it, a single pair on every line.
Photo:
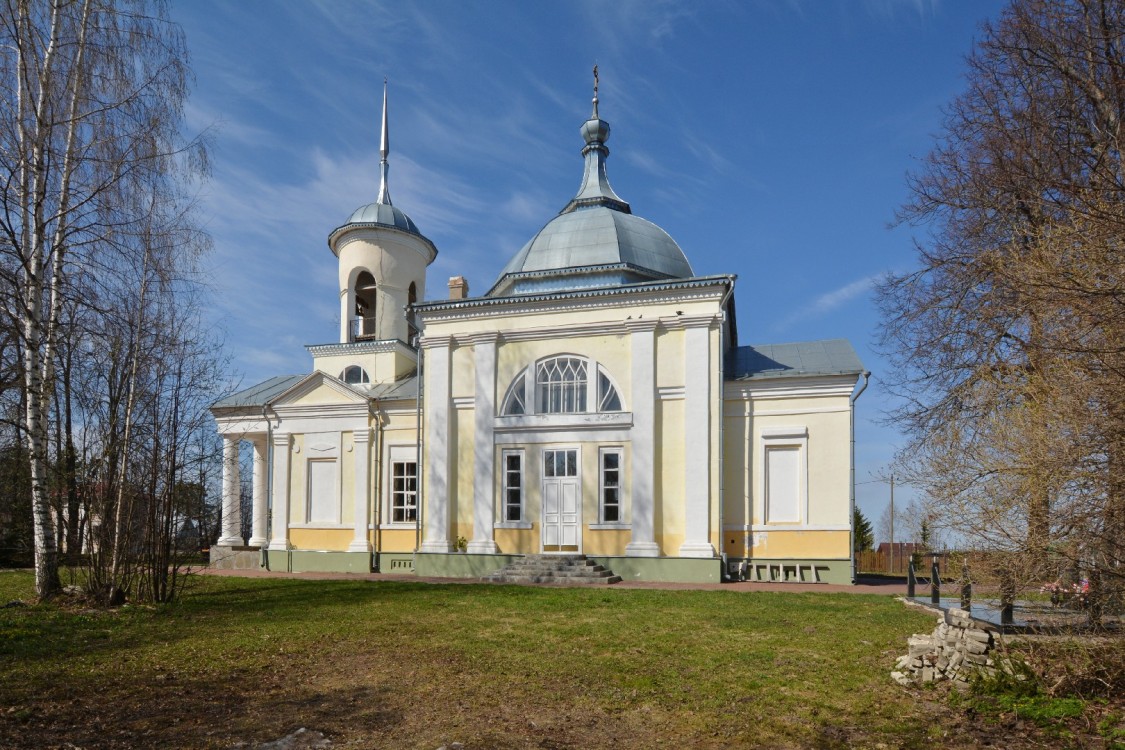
[881,562]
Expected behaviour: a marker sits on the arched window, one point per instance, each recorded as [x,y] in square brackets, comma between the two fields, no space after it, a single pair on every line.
[561,384]
[355,375]
[364,305]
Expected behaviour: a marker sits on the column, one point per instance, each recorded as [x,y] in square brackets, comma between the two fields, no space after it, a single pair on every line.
[484,453]
[280,540]
[361,439]
[435,503]
[697,442]
[643,437]
[232,490]
[258,536]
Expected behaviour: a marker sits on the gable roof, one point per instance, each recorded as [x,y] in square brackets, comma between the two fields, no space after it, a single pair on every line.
[260,394]
[798,359]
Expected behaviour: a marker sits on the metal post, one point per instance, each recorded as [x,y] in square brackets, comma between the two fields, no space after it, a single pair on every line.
[893,569]
[911,580]
[935,583]
[966,587]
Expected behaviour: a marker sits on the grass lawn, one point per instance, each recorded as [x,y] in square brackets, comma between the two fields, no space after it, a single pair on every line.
[413,665]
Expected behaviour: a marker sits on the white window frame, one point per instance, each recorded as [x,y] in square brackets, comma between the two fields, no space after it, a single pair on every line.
[399,454]
[505,488]
[784,438]
[622,496]
[527,382]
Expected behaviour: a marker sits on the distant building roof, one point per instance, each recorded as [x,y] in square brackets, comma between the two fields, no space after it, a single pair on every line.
[798,359]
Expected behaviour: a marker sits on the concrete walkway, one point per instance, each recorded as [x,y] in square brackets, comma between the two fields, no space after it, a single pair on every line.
[864,586]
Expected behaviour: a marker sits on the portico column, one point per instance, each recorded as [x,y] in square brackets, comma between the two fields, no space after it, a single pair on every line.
[258,536]
[697,442]
[484,501]
[232,490]
[361,439]
[280,540]
[643,437]
[438,417]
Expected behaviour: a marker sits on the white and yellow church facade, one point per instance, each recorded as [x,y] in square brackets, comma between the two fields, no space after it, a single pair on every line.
[595,401]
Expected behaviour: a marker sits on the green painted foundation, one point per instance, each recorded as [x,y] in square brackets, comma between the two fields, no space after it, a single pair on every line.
[681,569]
[305,561]
[459,565]
[796,571]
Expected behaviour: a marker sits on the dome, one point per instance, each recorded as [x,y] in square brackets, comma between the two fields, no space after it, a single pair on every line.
[595,241]
[384,214]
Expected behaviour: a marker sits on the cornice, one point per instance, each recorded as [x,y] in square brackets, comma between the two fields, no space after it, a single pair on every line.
[360,347]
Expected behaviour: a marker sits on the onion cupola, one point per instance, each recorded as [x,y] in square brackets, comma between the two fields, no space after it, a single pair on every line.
[596,240]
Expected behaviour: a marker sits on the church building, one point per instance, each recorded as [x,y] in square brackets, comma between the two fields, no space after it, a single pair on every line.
[595,401]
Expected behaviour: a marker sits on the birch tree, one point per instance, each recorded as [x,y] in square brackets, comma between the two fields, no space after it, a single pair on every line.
[92,95]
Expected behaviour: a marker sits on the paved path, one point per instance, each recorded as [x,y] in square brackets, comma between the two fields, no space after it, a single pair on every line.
[865,586]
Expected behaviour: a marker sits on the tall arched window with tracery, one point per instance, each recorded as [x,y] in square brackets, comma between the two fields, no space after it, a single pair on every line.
[564,384]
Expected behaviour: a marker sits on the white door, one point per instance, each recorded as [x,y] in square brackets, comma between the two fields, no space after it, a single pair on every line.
[562,501]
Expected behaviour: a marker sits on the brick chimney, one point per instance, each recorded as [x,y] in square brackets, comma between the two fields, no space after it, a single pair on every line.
[458,287]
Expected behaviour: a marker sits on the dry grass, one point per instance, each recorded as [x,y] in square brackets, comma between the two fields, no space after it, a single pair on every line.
[410,665]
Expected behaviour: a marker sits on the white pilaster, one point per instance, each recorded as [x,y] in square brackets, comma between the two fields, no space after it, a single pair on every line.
[484,503]
[438,416]
[643,437]
[232,490]
[281,448]
[362,442]
[258,536]
[697,443]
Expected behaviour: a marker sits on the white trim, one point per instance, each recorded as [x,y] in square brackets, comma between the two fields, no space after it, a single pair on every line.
[513,525]
[463,402]
[784,438]
[403,453]
[670,392]
[584,420]
[504,454]
[543,479]
[547,435]
[738,409]
[785,527]
[642,347]
[610,526]
[484,508]
[320,525]
[393,526]
[622,495]
[790,387]
[438,454]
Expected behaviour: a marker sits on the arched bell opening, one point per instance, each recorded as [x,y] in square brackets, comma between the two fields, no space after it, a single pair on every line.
[364,320]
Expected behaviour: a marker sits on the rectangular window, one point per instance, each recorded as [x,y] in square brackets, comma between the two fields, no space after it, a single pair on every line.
[610,485]
[513,485]
[783,484]
[323,501]
[404,491]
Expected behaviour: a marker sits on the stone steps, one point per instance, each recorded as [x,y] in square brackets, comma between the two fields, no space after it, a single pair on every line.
[561,570]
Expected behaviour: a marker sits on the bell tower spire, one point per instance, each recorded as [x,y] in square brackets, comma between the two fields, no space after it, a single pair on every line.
[384,150]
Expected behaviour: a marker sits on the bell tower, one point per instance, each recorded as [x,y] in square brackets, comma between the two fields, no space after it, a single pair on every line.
[383,259]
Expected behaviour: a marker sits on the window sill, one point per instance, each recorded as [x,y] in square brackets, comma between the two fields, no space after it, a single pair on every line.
[320,525]
[610,526]
[391,526]
[512,525]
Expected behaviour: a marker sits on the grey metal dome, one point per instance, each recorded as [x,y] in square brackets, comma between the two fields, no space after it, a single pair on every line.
[385,214]
[595,240]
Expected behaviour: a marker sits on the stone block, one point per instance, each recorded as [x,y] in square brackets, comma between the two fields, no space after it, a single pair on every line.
[981,636]
[927,674]
[901,679]
[976,647]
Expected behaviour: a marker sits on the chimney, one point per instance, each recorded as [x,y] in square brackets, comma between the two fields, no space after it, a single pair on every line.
[458,287]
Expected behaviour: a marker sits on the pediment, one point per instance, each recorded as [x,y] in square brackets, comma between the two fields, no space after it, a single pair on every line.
[320,388]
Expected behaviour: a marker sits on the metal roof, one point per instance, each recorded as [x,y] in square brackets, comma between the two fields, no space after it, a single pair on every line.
[260,394]
[596,228]
[798,359]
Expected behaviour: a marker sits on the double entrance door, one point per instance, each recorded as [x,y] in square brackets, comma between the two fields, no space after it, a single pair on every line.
[562,501]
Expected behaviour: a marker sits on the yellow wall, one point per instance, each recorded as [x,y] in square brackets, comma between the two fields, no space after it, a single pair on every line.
[321,539]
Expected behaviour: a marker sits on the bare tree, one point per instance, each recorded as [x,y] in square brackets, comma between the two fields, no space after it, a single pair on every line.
[92,99]
[1008,340]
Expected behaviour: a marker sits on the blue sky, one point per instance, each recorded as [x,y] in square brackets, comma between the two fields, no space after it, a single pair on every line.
[770,138]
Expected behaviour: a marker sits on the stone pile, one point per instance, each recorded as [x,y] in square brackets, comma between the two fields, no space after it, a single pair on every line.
[956,650]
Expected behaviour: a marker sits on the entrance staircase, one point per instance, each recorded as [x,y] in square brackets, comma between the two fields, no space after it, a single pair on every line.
[560,570]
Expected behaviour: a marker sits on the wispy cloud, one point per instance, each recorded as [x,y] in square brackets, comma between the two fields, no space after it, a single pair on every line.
[830,301]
